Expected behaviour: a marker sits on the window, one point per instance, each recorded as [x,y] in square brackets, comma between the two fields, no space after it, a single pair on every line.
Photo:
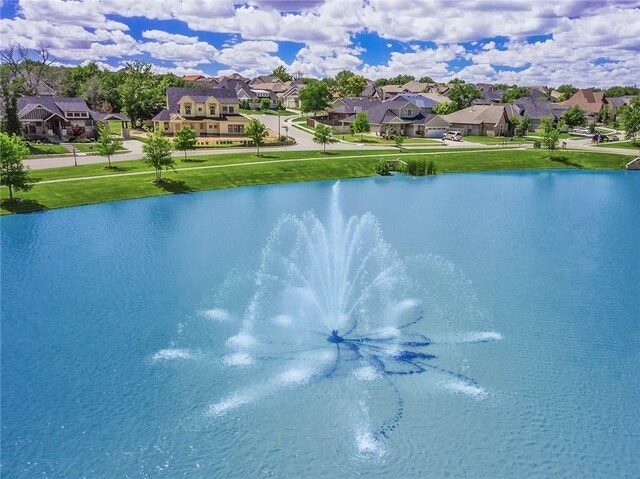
[408,112]
[236,128]
[199,108]
[212,110]
[230,109]
[166,125]
[225,109]
[187,108]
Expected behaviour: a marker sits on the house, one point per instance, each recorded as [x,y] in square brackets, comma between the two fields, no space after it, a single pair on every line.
[389,91]
[406,114]
[371,91]
[252,97]
[291,97]
[210,112]
[616,102]
[342,108]
[537,109]
[194,77]
[481,120]
[258,81]
[489,94]
[589,101]
[50,116]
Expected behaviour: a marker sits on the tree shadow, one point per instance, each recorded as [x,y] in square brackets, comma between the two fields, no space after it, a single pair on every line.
[329,153]
[173,186]
[566,161]
[115,168]
[193,160]
[20,205]
[264,156]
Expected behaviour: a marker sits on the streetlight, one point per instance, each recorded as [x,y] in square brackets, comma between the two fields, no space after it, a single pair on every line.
[75,158]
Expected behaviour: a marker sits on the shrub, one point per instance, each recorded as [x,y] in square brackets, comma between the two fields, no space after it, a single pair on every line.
[537,144]
[382,168]
[416,167]
[432,168]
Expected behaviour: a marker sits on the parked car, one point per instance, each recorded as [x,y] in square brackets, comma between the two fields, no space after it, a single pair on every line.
[582,131]
[604,138]
[614,138]
[453,135]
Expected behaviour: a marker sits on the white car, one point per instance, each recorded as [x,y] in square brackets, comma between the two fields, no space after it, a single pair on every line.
[453,135]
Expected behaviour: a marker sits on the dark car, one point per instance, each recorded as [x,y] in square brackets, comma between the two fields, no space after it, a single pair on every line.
[614,138]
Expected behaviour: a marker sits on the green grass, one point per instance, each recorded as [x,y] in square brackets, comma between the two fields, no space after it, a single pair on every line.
[267,112]
[629,145]
[493,140]
[115,127]
[37,150]
[371,139]
[90,148]
[338,164]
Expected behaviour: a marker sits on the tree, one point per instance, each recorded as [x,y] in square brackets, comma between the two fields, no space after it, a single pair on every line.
[26,64]
[426,79]
[11,121]
[463,95]
[12,171]
[157,154]
[281,73]
[444,108]
[550,135]
[401,79]
[314,97]
[525,125]
[93,92]
[361,124]
[185,140]
[630,119]
[257,131]
[398,140]
[107,143]
[615,91]
[350,84]
[606,116]
[574,116]
[324,135]
[265,103]
[567,91]
[513,93]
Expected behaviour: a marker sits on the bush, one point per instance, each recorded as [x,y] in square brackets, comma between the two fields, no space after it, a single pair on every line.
[382,168]
[432,168]
[537,144]
[416,167]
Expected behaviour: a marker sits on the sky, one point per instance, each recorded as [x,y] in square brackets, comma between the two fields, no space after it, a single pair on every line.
[528,42]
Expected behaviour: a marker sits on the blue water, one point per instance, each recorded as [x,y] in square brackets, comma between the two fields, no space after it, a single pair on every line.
[116,320]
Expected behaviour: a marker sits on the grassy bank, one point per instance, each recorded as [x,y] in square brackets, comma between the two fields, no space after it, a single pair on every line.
[90,184]
[627,145]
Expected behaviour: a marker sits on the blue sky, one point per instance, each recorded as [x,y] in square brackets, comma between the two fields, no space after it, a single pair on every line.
[587,43]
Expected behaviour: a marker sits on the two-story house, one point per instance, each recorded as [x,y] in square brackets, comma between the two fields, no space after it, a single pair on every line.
[210,112]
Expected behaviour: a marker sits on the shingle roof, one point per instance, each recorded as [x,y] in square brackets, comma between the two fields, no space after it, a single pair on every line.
[54,104]
[354,104]
[419,100]
[588,100]
[164,115]
[476,115]
[537,109]
[199,95]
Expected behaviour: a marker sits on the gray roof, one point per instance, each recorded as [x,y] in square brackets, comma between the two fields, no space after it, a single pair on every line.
[164,115]
[538,109]
[417,99]
[618,101]
[354,104]
[57,105]
[387,111]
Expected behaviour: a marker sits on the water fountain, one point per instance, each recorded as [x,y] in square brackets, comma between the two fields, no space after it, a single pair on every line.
[335,300]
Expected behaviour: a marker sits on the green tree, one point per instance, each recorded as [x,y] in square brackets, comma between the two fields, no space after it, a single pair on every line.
[525,125]
[630,119]
[567,92]
[444,108]
[11,121]
[615,91]
[185,140]
[398,140]
[361,124]
[157,154]
[606,116]
[257,132]
[93,92]
[574,116]
[513,93]
[315,97]
[463,95]
[13,173]
[107,144]
[265,103]
[281,72]
[350,84]
[426,79]
[323,135]
[550,135]
[401,79]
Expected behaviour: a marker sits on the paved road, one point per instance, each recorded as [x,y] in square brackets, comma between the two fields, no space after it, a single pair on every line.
[304,142]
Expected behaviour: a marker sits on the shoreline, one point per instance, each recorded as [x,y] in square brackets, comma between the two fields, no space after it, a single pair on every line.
[88,184]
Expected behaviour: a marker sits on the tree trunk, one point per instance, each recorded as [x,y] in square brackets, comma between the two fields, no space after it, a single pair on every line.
[158,174]
[257,150]
[109,160]
[10,192]
[324,148]
[185,155]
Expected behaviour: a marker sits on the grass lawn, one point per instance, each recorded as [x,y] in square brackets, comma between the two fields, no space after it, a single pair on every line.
[90,148]
[38,150]
[115,127]
[494,140]
[267,112]
[372,139]
[226,171]
[629,145]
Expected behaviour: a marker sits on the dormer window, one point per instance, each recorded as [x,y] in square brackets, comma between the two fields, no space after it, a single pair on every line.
[230,109]
[212,110]
[225,109]
[408,112]
[187,108]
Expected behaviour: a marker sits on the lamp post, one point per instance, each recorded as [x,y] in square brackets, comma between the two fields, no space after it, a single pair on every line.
[279,125]
[75,158]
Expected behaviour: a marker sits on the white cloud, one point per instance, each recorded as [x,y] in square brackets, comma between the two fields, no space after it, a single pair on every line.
[163,36]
